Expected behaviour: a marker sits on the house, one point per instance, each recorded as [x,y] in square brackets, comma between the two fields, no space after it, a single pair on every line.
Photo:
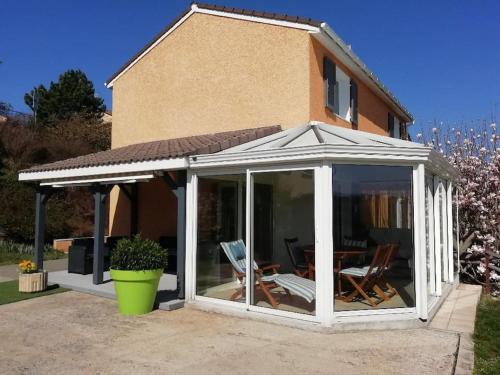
[279,164]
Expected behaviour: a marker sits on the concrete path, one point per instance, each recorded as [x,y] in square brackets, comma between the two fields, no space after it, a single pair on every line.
[458,314]
[11,271]
[83,334]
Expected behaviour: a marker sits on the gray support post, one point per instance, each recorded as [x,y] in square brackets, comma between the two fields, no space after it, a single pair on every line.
[100,193]
[41,199]
[134,210]
[180,192]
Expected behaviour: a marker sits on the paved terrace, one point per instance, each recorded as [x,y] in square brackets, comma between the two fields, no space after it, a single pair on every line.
[83,334]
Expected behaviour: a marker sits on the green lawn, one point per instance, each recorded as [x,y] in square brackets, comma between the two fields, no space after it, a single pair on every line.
[487,337]
[9,292]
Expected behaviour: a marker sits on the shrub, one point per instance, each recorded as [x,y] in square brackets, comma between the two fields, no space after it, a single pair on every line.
[138,254]
[12,247]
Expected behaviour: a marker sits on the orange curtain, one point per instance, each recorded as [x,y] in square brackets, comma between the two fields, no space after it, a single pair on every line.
[376,209]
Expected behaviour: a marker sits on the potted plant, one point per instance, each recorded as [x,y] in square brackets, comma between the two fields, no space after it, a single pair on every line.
[31,279]
[136,267]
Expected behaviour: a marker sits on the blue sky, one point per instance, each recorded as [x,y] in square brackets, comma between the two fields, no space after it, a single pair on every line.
[440,58]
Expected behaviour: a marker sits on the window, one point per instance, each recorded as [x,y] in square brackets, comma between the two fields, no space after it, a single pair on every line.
[394,127]
[221,214]
[284,235]
[330,82]
[341,93]
[373,237]
[354,102]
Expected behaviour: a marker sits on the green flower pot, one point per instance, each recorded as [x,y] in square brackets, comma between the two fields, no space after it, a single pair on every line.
[136,290]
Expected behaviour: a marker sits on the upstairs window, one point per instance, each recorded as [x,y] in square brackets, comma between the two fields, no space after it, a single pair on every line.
[340,97]
[394,127]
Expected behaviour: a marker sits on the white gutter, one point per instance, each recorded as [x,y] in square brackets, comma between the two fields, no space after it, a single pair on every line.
[106,170]
[307,153]
[105,181]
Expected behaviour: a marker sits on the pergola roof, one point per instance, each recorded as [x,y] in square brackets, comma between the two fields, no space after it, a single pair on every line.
[133,158]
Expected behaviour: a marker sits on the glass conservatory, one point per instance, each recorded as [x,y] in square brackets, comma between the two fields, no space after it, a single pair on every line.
[324,224]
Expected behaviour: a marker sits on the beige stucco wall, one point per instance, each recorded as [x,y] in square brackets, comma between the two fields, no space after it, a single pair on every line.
[214,74]
[211,74]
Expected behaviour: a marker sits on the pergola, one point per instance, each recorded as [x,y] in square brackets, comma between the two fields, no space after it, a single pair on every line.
[125,167]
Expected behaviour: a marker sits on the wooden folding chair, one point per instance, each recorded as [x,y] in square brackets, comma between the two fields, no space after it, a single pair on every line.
[368,278]
[388,263]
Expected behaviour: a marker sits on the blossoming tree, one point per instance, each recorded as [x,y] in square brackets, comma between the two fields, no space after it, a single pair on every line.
[475,152]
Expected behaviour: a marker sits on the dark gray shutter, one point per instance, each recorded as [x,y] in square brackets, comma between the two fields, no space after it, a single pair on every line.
[354,102]
[329,79]
[391,125]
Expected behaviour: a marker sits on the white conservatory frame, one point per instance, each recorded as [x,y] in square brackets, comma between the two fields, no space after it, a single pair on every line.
[319,147]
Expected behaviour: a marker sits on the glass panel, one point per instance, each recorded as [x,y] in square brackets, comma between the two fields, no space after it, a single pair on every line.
[455,232]
[283,238]
[429,238]
[443,231]
[221,219]
[373,237]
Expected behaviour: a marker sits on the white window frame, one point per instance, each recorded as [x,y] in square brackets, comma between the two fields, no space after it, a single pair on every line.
[419,310]
[325,303]
[444,213]
[437,237]
[192,236]
[449,225]
[319,316]
[432,254]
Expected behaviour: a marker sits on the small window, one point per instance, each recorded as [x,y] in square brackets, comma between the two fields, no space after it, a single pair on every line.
[330,83]
[394,127]
[354,103]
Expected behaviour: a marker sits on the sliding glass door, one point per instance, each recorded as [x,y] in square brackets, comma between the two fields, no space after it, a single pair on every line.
[283,239]
[221,221]
[269,261]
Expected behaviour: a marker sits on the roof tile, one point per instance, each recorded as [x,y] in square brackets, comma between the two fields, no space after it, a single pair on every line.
[163,149]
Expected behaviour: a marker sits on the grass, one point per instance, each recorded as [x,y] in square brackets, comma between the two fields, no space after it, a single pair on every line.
[9,292]
[487,337]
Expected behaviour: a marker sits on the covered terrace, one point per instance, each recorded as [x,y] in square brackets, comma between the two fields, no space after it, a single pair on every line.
[129,170]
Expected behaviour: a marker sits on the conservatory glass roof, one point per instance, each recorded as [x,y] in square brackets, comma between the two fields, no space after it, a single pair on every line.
[320,141]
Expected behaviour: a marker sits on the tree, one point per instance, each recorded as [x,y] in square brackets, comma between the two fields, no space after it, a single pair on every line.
[73,94]
[475,152]
[69,211]
[5,108]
